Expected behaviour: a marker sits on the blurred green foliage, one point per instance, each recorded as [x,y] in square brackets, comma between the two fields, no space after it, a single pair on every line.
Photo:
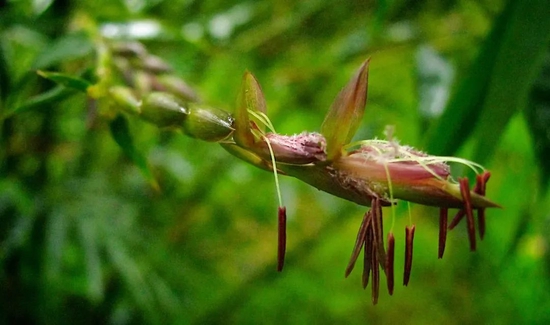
[86,237]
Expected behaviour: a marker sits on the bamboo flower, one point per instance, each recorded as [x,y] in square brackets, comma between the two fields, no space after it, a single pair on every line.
[372,173]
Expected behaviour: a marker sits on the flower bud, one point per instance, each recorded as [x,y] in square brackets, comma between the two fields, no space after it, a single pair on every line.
[207,123]
[163,109]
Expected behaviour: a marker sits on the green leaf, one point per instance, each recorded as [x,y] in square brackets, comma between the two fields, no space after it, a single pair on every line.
[17,203]
[54,95]
[57,229]
[66,80]
[499,82]
[66,48]
[121,134]
[516,68]
[458,119]
[91,241]
[538,118]
[346,112]
[130,272]
[4,75]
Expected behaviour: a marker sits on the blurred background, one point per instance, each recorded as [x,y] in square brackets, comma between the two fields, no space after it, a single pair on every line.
[86,237]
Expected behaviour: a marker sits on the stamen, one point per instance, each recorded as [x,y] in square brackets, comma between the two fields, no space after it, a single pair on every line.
[481,182]
[389,262]
[465,191]
[378,229]
[457,219]
[375,275]
[262,117]
[359,242]
[443,212]
[390,189]
[409,238]
[368,252]
[281,237]
[281,247]
[486,175]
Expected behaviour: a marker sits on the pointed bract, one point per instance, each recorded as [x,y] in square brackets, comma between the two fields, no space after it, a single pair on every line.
[250,98]
[346,113]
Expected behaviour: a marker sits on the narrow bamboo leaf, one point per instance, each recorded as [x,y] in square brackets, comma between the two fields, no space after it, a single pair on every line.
[68,47]
[66,80]
[56,94]
[499,82]
[121,134]
[458,119]
[346,112]
[516,68]
[538,118]
[130,272]
[163,291]
[4,76]
[90,243]
[57,227]
[14,196]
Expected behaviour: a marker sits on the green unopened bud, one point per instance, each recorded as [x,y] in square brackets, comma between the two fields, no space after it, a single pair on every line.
[164,110]
[197,121]
[208,123]
[124,98]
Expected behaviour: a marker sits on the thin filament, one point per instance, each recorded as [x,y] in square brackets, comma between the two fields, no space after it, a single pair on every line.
[390,189]
[274,163]
[260,116]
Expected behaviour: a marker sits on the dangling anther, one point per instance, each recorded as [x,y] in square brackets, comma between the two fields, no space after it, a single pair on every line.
[389,262]
[409,238]
[281,247]
[457,219]
[465,191]
[375,276]
[359,242]
[368,252]
[481,182]
[443,212]
[378,230]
